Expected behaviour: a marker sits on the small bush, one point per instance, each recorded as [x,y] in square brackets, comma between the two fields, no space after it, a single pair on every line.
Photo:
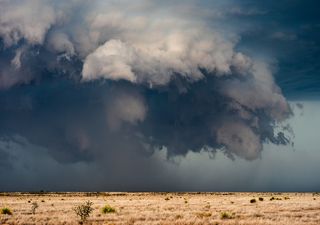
[84,210]
[226,215]
[178,217]
[253,201]
[108,209]
[260,199]
[277,198]
[34,207]
[6,211]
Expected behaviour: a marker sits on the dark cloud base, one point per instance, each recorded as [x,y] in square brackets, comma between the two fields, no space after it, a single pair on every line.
[69,118]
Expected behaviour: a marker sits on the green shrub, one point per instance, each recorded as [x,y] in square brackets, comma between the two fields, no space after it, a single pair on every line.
[84,210]
[226,215]
[108,209]
[6,211]
[253,200]
[260,199]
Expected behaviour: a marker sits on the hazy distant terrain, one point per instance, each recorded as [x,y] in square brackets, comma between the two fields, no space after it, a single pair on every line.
[165,208]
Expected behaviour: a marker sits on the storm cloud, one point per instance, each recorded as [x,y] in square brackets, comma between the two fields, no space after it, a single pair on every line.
[92,81]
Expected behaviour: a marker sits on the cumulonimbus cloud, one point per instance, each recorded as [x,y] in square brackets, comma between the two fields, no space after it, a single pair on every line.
[193,88]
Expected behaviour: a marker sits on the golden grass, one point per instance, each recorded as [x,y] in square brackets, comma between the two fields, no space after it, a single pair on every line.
[165,208]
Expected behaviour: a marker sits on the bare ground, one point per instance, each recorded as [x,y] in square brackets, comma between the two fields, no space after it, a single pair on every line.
[165,208]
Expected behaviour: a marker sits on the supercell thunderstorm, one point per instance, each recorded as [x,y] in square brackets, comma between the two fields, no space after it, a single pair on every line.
[82,78]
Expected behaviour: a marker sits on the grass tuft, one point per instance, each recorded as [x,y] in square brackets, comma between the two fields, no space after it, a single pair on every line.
[203,214]
[226,215]
[6,211]
[108,209]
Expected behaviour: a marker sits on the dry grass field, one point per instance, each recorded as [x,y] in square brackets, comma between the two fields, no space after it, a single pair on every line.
[165,208]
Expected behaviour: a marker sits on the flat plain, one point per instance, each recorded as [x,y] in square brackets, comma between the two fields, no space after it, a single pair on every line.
[164,208]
